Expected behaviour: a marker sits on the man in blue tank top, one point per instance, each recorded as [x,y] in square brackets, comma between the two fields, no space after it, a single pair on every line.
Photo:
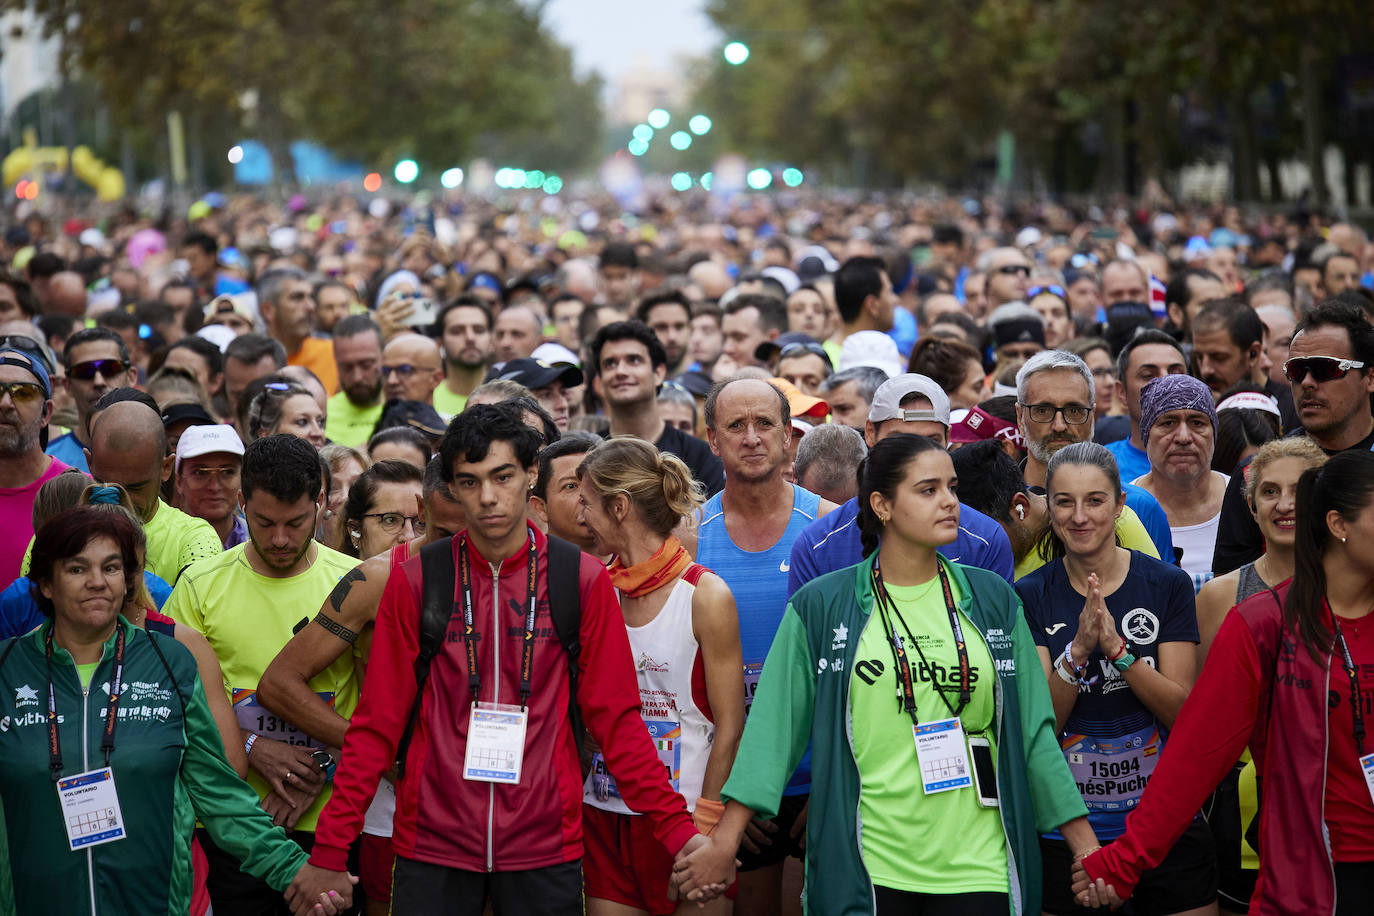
[906,404]
[746,536]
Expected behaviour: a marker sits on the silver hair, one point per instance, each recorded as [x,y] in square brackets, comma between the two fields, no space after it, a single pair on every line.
[1048,361]
[271,283]
[986,258]
[867,378]
[834,450]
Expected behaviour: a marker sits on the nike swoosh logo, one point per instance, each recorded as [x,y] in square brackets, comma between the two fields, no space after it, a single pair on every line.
[783,567]
[1055,629]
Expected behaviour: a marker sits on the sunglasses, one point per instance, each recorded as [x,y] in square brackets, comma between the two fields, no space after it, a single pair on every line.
[26,345]
[88,370]
[22,394]
[1322,368]
[1014,269]
[802,349]
[1053,289]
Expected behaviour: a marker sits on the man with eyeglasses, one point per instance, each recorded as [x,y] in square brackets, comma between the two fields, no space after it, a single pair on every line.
[1330,368]
[799,359]
[1054,394]
[208,466]
[25,407]
[412,367]
[96,360]
[1008,271]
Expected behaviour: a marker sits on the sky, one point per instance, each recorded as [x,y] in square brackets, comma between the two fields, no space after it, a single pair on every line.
[607,35]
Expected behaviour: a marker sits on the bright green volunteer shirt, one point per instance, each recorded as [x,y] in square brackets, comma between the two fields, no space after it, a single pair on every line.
[945,843]
[348,424]
[248,618]
[447,403]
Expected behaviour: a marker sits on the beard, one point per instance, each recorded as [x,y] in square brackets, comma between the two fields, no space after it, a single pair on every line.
[1043,449]
[364,395]
[271,560]
[16,440]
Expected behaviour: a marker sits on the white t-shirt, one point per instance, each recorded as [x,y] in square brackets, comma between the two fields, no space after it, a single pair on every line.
[1197,543]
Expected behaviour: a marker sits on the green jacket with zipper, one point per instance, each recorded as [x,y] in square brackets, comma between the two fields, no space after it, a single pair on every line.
[800,699]
[169,769]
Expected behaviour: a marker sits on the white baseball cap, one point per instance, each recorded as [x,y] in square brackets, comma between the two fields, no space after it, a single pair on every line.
[207,440]
[887,400]
[871,348]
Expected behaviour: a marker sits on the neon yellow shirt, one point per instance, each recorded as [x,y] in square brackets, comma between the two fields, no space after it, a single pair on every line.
[1130,533]
[962,845]
[348,424]
[86,672]
[176,540]
[248,618]
[447,403]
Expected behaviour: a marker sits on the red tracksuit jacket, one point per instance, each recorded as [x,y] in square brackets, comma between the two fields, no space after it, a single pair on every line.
[443,819]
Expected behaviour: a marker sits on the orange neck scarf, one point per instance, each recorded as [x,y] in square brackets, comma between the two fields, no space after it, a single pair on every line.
[642,578]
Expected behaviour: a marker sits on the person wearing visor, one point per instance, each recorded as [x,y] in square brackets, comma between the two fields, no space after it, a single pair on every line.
[25,408]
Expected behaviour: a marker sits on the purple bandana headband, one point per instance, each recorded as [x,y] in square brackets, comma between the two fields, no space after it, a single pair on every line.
[1174,392]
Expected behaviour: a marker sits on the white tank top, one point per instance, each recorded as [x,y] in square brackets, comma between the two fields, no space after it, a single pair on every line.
[672,698]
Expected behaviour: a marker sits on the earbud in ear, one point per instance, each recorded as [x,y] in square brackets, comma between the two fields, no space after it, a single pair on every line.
[1021,512]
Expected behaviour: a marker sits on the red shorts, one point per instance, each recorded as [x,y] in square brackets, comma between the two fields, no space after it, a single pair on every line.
[622,861]
[376,859]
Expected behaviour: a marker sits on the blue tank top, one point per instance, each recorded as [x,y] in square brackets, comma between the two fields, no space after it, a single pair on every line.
[758,580]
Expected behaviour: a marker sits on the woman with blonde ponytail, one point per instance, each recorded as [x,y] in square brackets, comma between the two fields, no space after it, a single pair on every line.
[684,635]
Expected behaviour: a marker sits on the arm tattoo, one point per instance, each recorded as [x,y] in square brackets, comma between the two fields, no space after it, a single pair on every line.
[340,593]
[338,629]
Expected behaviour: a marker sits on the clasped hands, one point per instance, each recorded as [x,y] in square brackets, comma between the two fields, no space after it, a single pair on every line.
[703,869]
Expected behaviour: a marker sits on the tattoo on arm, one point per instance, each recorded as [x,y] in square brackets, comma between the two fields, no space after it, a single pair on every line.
[338,629]
[340,593]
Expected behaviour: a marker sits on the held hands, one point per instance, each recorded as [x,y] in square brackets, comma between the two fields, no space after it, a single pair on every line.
[1089,633]
[315,891]
[1092,893]
[704,868]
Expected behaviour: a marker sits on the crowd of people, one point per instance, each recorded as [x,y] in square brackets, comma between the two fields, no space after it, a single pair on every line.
[883,555]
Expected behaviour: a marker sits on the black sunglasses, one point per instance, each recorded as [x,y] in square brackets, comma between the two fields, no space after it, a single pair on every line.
[1014,269]
[87,371]
[1322,368]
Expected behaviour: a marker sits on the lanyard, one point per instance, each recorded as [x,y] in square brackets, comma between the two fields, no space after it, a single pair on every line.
[1353,674]
[470,635]
[107,743]
[886,604]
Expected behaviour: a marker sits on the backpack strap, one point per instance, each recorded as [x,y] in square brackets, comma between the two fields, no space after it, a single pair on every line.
[436,607]
[565,608]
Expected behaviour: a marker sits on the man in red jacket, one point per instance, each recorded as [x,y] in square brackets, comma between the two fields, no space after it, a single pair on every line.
[489,803]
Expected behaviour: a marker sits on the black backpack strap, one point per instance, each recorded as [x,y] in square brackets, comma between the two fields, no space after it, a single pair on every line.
[436,607]
[565,608]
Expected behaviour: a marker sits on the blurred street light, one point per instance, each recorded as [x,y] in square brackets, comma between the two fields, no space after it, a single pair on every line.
[680,140]
[373,182]
[682,181]
[407,170]
[235,155]
[736,53]
[700,124]
[760,179]
[642,132]
[792,177]
[637,147]
[451,178]
[658,119]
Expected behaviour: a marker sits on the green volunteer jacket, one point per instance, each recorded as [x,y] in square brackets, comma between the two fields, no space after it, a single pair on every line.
[169,770]
[799,700]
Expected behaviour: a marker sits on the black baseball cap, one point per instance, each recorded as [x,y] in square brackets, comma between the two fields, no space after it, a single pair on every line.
[535,373]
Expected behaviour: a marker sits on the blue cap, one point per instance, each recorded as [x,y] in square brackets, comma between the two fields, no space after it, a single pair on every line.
[12,356]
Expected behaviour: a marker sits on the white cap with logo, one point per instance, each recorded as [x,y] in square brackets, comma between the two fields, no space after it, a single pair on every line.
[887,400]
[208,440]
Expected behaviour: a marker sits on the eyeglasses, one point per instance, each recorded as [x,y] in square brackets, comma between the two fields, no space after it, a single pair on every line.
[87,371]
[22,394]
[1014,269]
[1104,373]
[391,522]
[1053,289]
[204,477]
[405,370]
[1074,414]
[1322,368]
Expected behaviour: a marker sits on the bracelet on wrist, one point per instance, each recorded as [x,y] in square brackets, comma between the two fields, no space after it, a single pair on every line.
[1078,857]
[1120,651]
[248,744]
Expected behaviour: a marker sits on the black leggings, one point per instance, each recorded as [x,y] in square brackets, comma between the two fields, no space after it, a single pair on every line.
[889,902]
[1354,888]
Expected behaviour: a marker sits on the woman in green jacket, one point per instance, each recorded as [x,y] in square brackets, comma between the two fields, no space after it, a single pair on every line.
[110,752]
[935,763]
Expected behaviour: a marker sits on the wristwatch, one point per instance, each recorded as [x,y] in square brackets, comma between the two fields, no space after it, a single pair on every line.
[1124,661]
[325,761]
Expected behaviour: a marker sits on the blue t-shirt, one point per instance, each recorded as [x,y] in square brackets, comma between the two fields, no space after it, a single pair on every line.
[903,331]
[1131,462]
[1111,740]
[19,613]
[758,580]
[1151,515]
[67,450]
[833,542]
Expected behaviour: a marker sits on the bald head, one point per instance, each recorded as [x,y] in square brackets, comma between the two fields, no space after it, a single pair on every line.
[67,294]
[711,277]
[412,367]
[129,447]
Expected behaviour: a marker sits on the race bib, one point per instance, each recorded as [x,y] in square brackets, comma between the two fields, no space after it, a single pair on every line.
[90,809]
[752,670]
[255,717]
[667,738]
[1112,772]
[496,743]
[1367,769]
